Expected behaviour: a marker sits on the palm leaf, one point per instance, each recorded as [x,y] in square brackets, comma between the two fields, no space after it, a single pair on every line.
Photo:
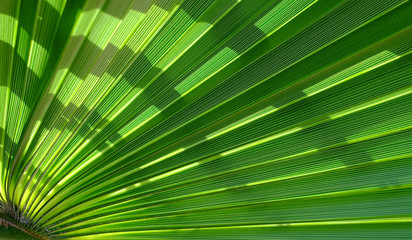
[223,119]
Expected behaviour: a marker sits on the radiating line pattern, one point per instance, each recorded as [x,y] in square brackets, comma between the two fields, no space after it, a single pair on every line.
[211,119]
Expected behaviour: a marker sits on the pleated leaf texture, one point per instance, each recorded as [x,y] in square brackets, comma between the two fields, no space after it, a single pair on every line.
[208,119]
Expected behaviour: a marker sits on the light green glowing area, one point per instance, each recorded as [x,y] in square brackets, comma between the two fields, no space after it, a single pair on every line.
[205,119]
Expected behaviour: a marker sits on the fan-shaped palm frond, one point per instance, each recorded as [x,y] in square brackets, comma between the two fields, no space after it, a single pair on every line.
[209,119]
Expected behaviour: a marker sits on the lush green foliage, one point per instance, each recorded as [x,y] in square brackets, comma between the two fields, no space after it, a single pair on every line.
[206,119]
